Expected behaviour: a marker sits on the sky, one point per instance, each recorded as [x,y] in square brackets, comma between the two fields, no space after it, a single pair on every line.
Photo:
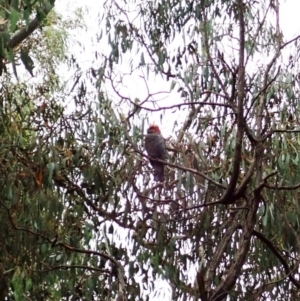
[134,86]
[289,18]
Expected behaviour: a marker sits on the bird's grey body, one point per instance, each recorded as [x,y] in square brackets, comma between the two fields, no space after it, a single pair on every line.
[156,149]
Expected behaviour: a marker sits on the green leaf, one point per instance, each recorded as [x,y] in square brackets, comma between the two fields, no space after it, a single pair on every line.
[14,18]
[27,61]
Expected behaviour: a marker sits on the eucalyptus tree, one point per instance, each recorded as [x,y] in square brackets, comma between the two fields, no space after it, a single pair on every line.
[32,36]
[224,226]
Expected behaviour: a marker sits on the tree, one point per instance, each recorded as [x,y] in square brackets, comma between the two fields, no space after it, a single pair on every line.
[81,218]
[32,155]
[230,206]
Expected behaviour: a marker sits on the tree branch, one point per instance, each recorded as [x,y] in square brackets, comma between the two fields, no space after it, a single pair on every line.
[276,252]
[226,198]
[24,33]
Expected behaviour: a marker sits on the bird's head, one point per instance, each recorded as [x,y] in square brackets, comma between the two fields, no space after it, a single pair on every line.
[153,129]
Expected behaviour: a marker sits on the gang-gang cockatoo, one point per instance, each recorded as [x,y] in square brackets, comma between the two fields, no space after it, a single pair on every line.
[156,149]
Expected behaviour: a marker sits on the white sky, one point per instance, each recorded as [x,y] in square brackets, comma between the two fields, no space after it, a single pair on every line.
[289,18]
[290,24]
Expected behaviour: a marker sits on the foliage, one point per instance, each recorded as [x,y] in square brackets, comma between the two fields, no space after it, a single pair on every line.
[230,206]
[82,219]
[18,20]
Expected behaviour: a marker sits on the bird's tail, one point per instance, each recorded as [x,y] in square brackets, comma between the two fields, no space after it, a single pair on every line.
[159,171]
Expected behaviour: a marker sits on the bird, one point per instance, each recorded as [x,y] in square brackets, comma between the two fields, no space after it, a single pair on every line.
[156,148]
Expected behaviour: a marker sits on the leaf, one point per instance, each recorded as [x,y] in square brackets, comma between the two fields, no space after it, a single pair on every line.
[142,60]
[173,84]
[27,61]
[58,257]
[14,18]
